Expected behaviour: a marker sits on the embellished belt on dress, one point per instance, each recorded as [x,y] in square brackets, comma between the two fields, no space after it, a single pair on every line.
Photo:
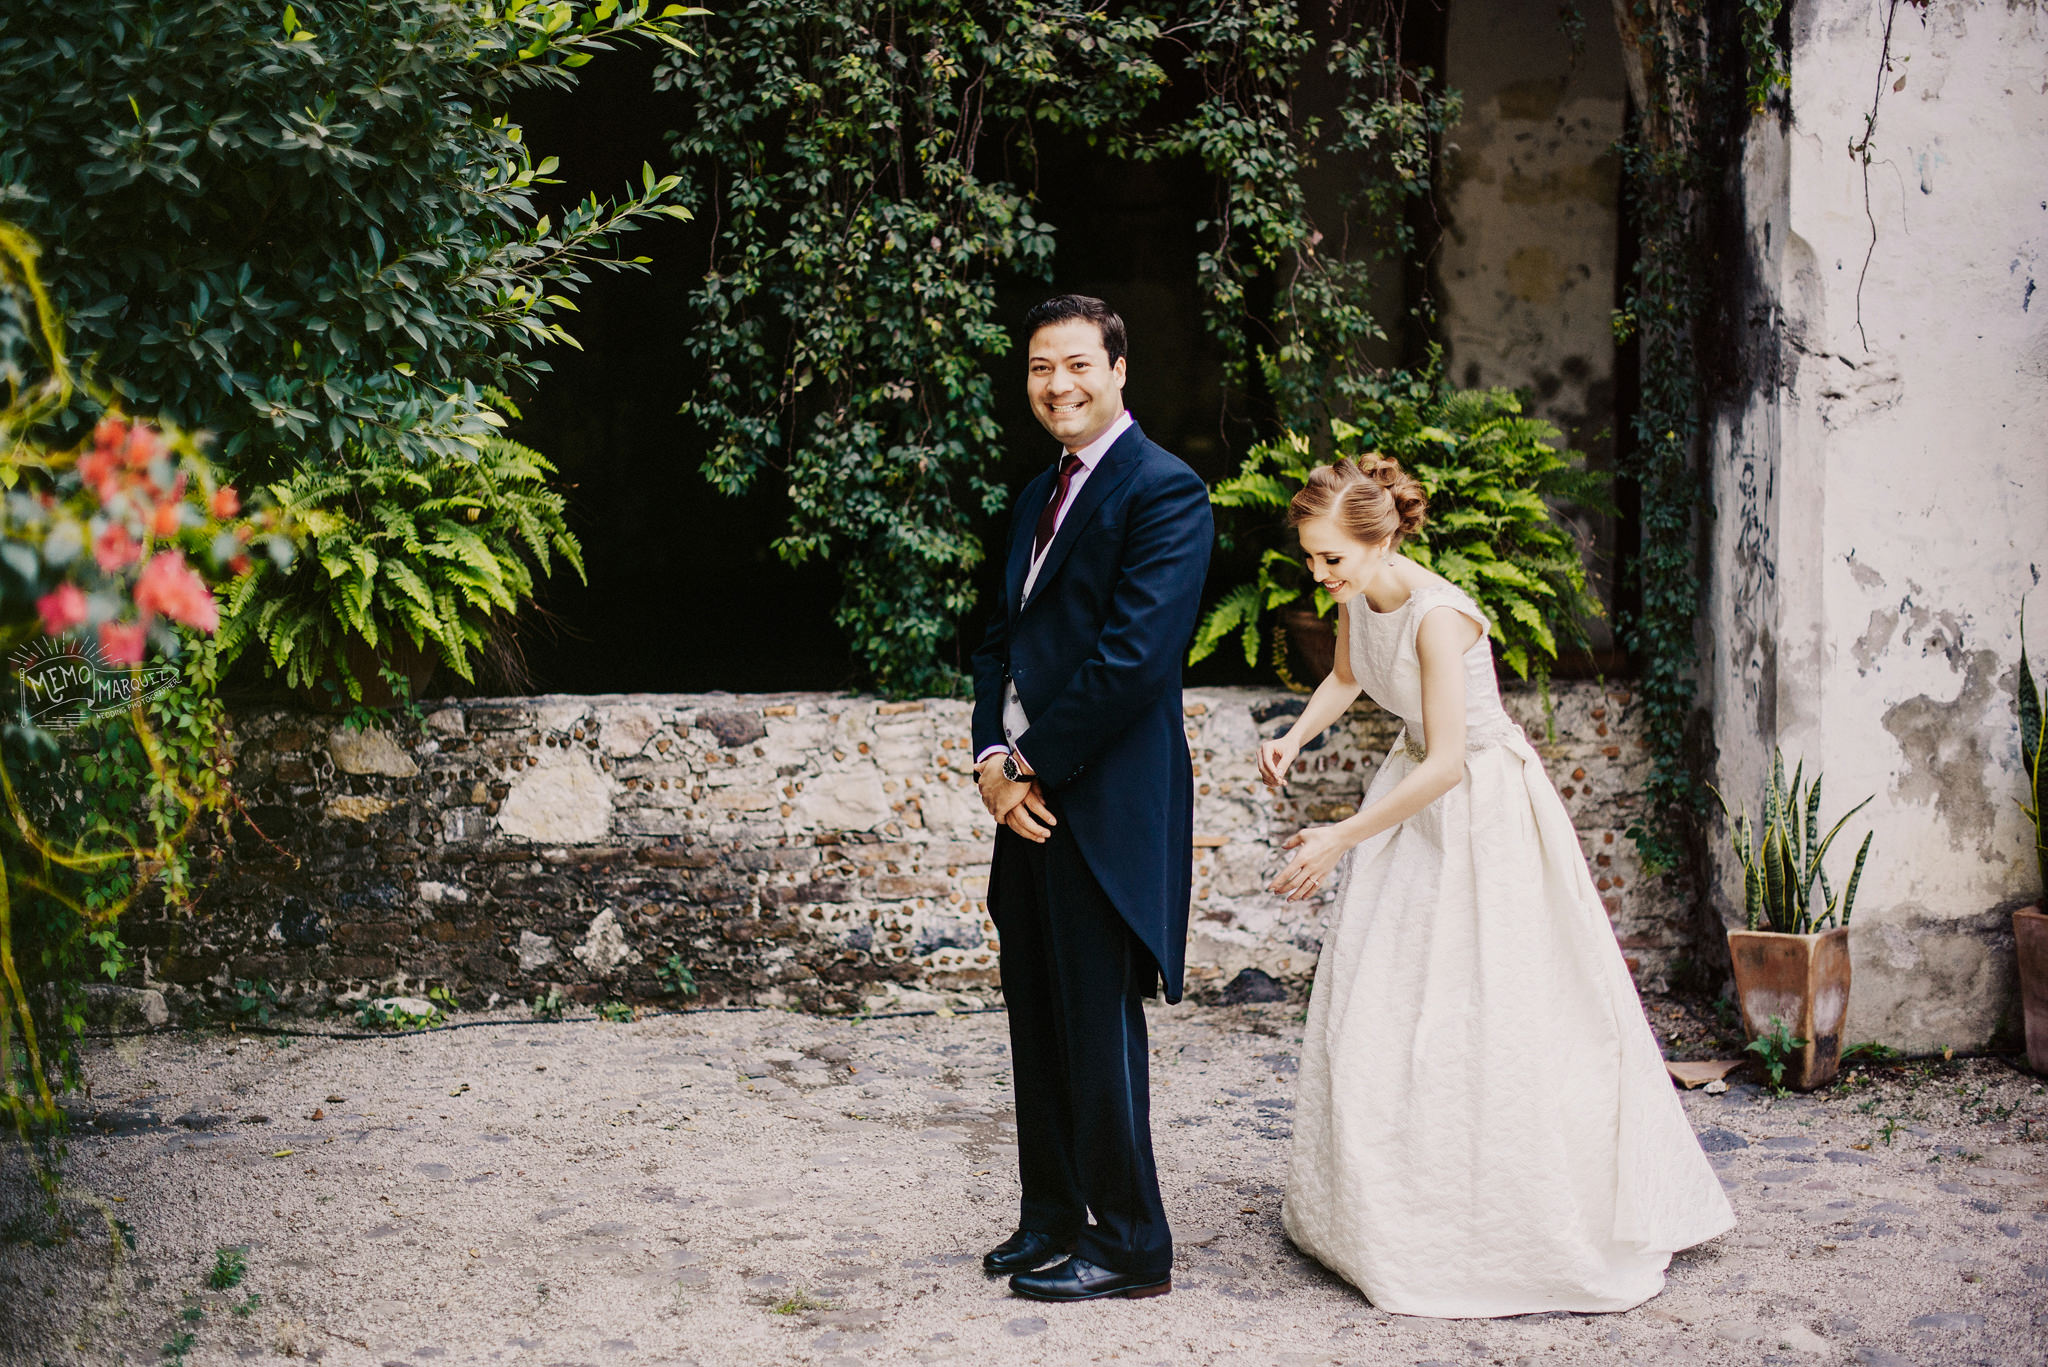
[1502,731]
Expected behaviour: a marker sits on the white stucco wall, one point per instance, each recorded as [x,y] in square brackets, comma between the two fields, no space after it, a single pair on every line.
[1882,501]
[1527,263]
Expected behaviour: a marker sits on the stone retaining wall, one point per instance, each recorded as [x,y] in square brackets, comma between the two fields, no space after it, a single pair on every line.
[818,850]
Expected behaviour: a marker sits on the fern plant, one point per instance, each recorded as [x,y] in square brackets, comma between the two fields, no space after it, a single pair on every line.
[1494,479]
[1780,873]
[2033,718]
[430,551]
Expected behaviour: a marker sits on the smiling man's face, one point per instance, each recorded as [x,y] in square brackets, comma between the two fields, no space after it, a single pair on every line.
[1074,389]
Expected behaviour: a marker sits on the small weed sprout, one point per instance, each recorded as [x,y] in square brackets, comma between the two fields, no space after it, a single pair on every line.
[1776,1048]
[614,1011]
[550,1005]
[675,977]
[229,1267]
[252,1002]
[247,1307]
[175,1350]
[389,1015]
[798,1302]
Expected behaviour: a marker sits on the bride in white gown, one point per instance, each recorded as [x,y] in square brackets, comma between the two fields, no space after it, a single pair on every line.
[1483,1124]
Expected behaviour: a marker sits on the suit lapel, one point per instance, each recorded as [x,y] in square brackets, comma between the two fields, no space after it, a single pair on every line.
[1118,463]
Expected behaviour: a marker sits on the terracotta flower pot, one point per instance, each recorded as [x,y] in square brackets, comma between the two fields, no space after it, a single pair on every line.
[1804,981]
[2030,938]
[1314,639]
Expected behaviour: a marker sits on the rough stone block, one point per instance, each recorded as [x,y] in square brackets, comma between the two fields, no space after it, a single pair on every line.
[369,752]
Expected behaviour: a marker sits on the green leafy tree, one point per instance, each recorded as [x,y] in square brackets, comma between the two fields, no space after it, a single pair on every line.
[310,229]
[867,168]
[844,328]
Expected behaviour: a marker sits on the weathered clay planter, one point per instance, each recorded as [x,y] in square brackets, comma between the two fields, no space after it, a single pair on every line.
[2030,938]
[1804,981]
[1314,639]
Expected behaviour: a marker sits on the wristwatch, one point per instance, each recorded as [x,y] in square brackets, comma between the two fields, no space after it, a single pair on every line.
[1011,771]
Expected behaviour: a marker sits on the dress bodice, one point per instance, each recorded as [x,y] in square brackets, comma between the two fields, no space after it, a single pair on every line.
[1386,664]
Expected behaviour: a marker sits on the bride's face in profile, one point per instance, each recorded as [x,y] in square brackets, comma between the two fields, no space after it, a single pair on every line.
[1337,561]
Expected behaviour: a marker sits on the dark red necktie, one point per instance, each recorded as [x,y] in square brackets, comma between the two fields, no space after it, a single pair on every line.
[1049,519]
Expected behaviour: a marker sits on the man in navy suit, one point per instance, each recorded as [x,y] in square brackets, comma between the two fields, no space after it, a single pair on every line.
[1083,763]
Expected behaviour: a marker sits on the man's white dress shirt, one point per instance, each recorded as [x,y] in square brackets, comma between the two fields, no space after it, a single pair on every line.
[1015,723]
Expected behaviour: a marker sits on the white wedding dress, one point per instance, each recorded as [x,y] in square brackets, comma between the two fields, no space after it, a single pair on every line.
[1483,1124]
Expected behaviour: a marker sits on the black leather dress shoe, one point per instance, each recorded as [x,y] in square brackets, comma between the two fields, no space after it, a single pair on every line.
[1077,1279]
[1023,1251]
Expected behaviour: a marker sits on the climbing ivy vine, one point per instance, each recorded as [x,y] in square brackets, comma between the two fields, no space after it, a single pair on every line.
[1689,112]
[867,171]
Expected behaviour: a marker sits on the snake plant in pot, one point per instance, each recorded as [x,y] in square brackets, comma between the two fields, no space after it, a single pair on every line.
[2029,926]
[1792,959]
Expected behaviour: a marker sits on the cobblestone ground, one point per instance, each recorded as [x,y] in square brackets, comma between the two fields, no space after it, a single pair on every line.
[765,1187]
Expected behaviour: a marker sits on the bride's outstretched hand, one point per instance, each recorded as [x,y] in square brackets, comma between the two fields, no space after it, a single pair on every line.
[1316,852]
[1276,757]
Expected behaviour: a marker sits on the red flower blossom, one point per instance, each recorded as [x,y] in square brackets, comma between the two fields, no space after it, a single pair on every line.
[97,469]
[238,565]
[61,609]
[163,524]
[122,642]
[115,549]
[169,586]
[108,435]
[226,503]
[141,447]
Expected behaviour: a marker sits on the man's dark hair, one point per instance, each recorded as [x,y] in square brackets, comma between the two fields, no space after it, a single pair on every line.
[1065,308]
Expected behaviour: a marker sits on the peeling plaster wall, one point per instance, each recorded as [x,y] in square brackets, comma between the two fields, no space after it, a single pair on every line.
[1882,492]
[1531,219]
[821,850]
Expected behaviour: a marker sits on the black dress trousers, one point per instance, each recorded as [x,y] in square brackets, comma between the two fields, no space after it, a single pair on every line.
[1075,978]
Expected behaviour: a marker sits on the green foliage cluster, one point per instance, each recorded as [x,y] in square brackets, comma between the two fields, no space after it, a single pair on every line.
[1311,348]
[867,168]
[1775,1049]
[851,305]
[389,1015]
[675,977]
[1494,478]
[432,550]
[310,229]
[1780,873]
[1668,161]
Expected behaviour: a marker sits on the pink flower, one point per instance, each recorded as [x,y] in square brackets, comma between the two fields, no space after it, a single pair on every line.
[114,548]
[164,522]
[169,586]
[142,446]
[62,609]
[121,642]
[97,469]
[226,503]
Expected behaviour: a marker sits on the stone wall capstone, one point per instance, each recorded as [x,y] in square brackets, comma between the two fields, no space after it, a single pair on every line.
[826,851]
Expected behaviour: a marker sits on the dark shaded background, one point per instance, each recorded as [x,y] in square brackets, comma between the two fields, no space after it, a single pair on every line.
[685,593]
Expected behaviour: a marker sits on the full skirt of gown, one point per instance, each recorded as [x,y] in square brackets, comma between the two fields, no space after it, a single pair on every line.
[1483,1122]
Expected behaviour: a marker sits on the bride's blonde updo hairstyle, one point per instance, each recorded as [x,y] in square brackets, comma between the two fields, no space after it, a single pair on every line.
[1371,496]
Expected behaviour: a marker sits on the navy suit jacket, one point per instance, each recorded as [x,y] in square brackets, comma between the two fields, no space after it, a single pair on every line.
[1096,656]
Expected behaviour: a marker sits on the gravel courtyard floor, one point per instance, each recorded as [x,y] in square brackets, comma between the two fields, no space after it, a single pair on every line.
[767,1187]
